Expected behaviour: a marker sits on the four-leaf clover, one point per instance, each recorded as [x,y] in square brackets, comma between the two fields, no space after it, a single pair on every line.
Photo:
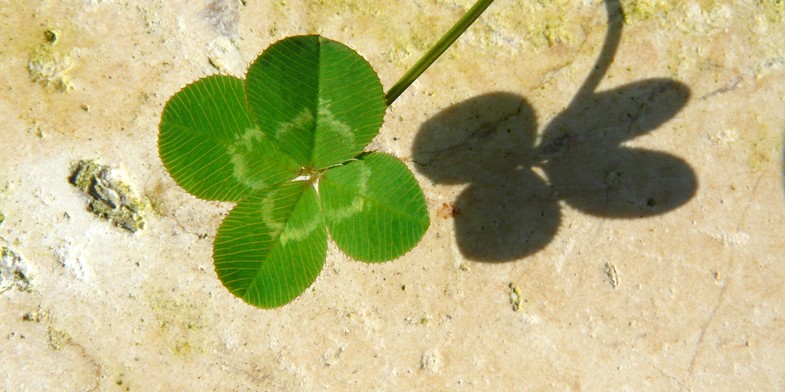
[286,144]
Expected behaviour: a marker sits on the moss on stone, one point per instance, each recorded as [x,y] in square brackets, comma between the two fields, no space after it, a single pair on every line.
[110,199]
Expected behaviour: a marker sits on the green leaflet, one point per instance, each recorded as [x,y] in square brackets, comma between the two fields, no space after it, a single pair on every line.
[272,245]
[320,100]
[211,147]
[374,208]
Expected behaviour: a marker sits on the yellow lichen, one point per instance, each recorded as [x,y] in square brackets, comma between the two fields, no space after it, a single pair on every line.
[641,10]
[539,24]
[556,32]
[772,10]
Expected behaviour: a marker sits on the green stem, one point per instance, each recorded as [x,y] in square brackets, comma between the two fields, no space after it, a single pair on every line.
[429,57]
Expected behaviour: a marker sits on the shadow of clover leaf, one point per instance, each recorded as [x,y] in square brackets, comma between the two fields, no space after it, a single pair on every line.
[287,145]
[509,210]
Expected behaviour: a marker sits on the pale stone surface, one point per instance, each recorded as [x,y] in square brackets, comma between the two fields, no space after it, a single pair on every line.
[688,297]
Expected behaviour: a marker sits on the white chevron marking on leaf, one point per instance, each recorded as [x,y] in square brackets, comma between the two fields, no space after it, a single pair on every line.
[242,148]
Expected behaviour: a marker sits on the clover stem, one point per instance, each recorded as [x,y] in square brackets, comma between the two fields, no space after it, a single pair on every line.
[429,57]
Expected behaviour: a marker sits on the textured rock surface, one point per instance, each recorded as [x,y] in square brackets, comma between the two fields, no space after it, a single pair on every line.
[628,237]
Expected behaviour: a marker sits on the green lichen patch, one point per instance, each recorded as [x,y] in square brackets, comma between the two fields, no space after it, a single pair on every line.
[47,66]
[110,199]
[13,272]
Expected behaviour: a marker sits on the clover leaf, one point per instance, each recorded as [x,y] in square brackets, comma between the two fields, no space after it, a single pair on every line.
[287,145]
